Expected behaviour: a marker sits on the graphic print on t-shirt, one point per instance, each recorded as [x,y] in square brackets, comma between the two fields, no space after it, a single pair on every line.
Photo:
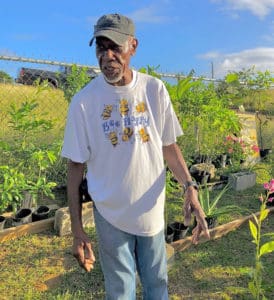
[123,122]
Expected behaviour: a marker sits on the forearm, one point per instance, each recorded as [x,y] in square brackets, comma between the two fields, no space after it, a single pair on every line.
[75,176]
[176,163]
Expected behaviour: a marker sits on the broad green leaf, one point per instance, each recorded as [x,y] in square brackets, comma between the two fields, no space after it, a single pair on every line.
[253,230]
[267,248]
[263,214]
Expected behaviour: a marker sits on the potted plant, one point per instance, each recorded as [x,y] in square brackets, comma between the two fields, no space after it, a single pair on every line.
[24,179]
[241,156]
[209,204]
[23,216]
[41,213]
[175,230]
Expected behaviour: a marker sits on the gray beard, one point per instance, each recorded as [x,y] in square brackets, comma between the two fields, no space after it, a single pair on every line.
[113,80]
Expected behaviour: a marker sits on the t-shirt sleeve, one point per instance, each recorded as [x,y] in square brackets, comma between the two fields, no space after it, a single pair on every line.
[75,145]
[171,126]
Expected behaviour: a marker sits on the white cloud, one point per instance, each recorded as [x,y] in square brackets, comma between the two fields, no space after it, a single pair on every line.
[148,15]
[260,58]
[259,8]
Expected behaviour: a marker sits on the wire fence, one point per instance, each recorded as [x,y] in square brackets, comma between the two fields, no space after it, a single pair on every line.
[24,86]
[24,95]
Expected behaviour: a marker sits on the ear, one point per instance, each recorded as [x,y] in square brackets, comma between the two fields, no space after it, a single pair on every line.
[133,46]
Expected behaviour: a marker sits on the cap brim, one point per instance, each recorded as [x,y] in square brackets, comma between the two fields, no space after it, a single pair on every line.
[117,37]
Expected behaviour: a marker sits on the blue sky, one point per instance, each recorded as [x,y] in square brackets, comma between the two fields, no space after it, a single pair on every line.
[176,35]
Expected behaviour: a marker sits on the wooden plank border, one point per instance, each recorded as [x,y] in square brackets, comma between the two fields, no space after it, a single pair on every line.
[216,232]
[18,231]
[33,227]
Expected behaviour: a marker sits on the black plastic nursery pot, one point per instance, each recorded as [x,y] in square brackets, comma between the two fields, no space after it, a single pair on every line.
[23,216]
[224,178]
[211,222]
[265,152]
[41,213]
[2,222]
[201,177]
[169,234]
[175,231]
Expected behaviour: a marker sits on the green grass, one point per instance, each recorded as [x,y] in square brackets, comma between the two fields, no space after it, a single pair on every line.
[41,266]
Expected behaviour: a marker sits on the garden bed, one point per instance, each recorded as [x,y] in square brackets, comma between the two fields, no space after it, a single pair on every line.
[33,227]
[216,232]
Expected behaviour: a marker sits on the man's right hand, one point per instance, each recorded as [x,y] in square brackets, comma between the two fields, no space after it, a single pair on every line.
[82,251]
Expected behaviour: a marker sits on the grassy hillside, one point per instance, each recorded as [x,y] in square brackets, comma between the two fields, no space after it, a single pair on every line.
[51,106]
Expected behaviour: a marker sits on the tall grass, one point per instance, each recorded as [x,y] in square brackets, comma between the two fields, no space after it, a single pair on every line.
[52,105]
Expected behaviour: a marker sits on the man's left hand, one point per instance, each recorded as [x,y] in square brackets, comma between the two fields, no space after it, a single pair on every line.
[192,205]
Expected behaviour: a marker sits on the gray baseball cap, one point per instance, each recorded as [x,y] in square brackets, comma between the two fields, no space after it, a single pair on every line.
[115,27]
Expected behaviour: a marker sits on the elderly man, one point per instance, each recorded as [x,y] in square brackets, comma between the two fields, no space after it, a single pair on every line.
[123,128]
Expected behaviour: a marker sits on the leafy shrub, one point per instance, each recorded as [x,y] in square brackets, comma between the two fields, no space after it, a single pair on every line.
[5,78]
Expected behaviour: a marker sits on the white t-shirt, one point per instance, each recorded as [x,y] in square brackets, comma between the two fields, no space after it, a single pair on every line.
[119,131]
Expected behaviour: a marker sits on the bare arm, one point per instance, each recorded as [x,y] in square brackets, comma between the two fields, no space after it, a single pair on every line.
[176,163]
[81,249]
[75,175]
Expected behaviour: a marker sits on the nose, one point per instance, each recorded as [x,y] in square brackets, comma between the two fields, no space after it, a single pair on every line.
[108,53]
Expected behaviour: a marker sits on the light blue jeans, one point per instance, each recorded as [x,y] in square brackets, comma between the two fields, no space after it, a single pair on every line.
[122,253]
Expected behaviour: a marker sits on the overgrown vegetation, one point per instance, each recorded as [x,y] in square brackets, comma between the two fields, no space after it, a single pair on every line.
[26,161]
[75,81]
[6,78]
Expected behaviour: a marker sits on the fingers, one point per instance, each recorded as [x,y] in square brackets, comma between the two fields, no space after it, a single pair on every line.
[82,251]
[195,234]
[198,230]
[89,258]
[89,253]
[202,226]
[201,221]
[88,264]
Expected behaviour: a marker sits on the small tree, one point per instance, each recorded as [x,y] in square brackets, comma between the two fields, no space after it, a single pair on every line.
[5,78]
[28,160]
[75,81]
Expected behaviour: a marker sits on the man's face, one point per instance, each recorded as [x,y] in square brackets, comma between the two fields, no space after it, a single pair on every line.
[114,60]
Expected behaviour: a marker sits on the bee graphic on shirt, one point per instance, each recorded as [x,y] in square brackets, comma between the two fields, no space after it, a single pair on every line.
[141,107]
[107,112]
[144,135]
[127,133]
[113,138]
[123,107]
